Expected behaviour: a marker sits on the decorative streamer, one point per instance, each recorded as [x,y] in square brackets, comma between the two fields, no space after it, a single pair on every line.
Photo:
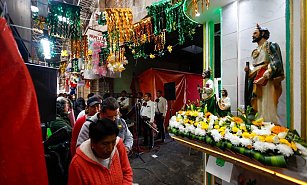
[64,20]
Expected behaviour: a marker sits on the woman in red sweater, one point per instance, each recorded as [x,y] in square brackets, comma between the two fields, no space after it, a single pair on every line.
[101,160]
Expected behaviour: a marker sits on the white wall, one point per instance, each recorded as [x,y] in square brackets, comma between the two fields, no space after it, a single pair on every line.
[296,65]
[238,23]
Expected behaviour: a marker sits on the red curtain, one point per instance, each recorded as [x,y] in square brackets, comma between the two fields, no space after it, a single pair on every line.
[152,80]
[21,149]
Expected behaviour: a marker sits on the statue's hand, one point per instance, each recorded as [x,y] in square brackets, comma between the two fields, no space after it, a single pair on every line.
[260,81]
[246,68]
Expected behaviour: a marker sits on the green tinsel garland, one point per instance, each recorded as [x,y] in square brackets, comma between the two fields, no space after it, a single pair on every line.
[69,29]
[176,20]
[157,12]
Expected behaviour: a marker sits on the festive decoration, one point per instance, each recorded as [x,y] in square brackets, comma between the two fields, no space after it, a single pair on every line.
[176,20]
[246,134]
[39,22]
[157,12]
[116,60]
[152,56]
[119,21]
[169,48]
[64,20]
[142,31]
[75,48]
[159,41]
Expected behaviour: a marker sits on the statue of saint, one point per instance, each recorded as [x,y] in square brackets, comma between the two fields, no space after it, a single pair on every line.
[265,76]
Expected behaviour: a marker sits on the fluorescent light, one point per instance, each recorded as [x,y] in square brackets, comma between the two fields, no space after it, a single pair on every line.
[34,9]
[46,48]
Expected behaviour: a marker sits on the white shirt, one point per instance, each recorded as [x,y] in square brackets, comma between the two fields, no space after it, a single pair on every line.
[123,102]
[148,110]
[161,106]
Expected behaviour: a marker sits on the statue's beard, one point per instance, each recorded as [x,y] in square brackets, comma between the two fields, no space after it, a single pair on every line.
[256,39]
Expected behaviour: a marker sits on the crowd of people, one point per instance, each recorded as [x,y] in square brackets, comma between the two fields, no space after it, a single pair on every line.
[99,138]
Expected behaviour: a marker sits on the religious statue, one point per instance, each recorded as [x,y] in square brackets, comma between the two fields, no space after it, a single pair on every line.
[207,92]
[265,76]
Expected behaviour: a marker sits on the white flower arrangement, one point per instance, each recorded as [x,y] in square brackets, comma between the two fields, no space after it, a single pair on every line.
[216,135]
[284,149]
[200,132]
[246,142]
[264,146]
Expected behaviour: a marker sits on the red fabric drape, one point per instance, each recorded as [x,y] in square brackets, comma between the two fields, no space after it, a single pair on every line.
[191,89]
[21,149]
[152,80]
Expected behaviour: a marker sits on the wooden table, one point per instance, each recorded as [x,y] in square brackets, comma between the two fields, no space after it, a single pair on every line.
[278,174]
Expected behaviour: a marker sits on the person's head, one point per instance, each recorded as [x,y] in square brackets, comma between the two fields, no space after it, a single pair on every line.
[139,95]
[62,106]
[147,97]
[80,102]
[93,105]
[260,33]
[90,95]
[109,108]
[224,92]
[206,74]
[106,95]
[159,93]
[123,93]
[103,135]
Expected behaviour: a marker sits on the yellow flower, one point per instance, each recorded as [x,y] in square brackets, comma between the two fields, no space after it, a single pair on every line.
[260,138]
[204,126]
[185,121]
[269,139]
[196,123]
[188,113]
[243,127]
[222,133]
[191,122]
[293,146]
[284,141]
[253,134]
[170,48]
[258,122]
[246,135]
[216,127]
[194,113]
[221,129]
[235,129]
[152,56]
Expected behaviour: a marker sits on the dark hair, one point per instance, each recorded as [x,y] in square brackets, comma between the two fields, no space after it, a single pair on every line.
[148,94]
[226,93]
[140,93]
[264,31]
[123,91]
[159,91]
[90,95]
[101,128]
[109,103]
[106,95]
[80,102]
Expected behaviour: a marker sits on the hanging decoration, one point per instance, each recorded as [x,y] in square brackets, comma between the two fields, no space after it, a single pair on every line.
[117,60]
[157,12]
[119,22]
[159,41]
[64,20]
[39,22]
[75,48]
[176,20]
[142,31]
[84,45]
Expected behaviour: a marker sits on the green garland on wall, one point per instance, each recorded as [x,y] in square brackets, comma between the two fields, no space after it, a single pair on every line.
[64,20]
[176,20]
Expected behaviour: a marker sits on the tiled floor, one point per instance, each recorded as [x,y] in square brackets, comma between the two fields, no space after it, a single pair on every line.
[168,163]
